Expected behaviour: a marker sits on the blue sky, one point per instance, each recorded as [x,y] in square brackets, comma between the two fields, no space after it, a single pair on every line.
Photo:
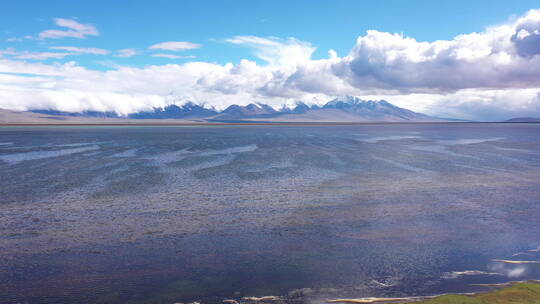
[326,24]
[284,39]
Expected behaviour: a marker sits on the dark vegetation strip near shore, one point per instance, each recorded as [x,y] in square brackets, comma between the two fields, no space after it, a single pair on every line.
[515,293]
[520,293]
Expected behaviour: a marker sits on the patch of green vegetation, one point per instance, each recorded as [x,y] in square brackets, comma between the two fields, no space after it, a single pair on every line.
[519,293]
[452,299]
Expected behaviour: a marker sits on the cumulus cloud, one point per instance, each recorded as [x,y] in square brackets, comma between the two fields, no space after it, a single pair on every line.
[175,46]
[526,36]
[275,51]
[74,30]
[487,60]
[489,75]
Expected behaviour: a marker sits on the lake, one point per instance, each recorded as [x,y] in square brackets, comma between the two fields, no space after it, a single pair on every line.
[133,214]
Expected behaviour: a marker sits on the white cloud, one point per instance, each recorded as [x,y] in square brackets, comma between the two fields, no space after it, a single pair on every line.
[39,55]
[472,104]
[42,55]
[171,56]
[126,53]
[277,51]
[18,39]
[175,46]
[74,30]
[8,51]
[68,51]
[495,58]
[94,51]
[332,54]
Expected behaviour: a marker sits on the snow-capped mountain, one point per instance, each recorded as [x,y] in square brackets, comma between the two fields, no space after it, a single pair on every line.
[252,110]
[299,108]
[524,119]
[188,110]
[374,110]
[345,109]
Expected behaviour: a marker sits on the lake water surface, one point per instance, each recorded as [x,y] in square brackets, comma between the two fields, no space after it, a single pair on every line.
[307,213]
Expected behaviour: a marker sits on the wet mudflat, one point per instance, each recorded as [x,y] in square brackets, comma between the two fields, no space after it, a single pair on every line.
[181,214]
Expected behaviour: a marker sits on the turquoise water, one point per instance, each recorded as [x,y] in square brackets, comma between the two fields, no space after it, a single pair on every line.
[180,214]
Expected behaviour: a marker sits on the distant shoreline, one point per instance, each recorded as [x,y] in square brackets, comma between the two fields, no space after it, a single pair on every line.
[263,123]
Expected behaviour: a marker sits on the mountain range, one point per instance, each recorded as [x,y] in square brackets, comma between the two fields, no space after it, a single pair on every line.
[524,119]
[346,109]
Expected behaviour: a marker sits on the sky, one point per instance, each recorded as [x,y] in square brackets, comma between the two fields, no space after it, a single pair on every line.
[475,60]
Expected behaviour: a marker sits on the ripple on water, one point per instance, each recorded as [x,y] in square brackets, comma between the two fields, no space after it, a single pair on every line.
[468,141]
[374,140]
[270,215]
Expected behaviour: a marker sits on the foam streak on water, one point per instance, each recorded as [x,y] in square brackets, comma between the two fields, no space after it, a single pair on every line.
[16,158]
